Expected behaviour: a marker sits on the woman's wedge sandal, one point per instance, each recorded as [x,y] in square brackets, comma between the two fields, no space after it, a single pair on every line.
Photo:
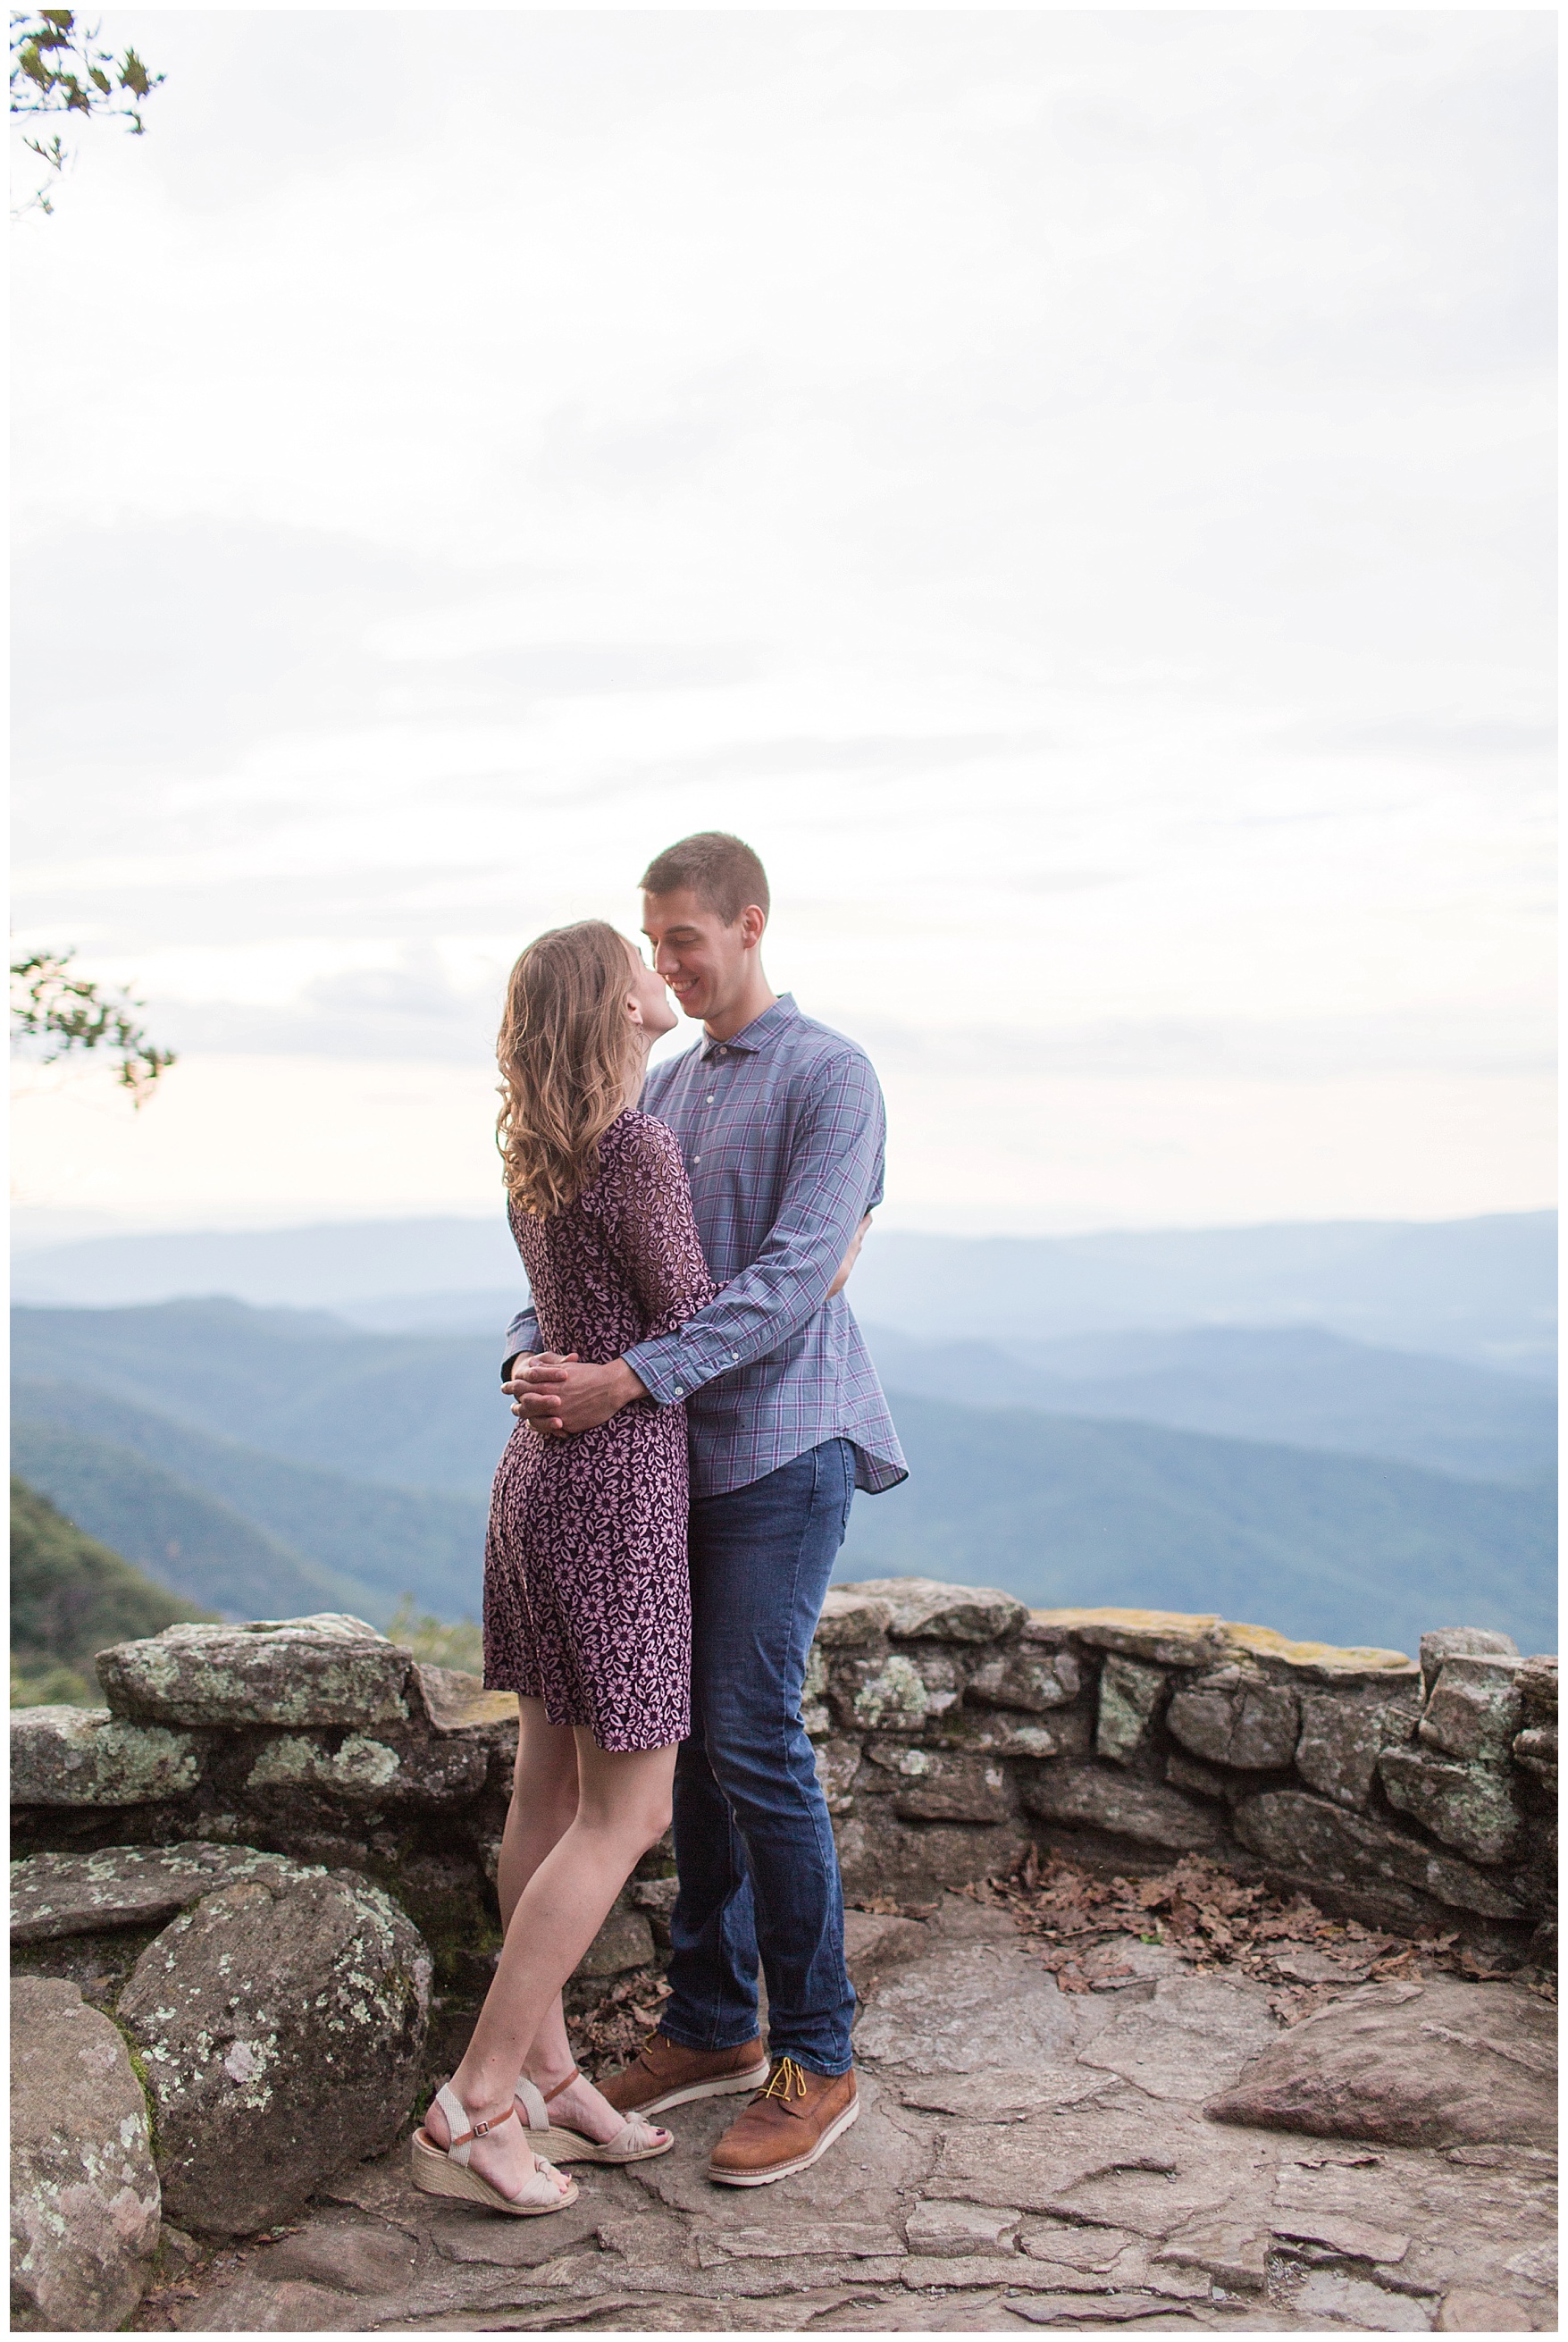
[636,2141]
[444,2170]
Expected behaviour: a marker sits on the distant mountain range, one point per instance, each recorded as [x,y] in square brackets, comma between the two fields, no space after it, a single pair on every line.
[262,1462]
[412,1413]
[1482,1290]
[223,1522]
[1289,1383]
[1336,1548]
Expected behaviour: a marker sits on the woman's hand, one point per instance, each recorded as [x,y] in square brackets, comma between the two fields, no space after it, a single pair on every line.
[851,1256]
[525,1382]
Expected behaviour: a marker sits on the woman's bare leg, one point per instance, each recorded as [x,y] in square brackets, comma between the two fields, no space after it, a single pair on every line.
[543,1809]
[623,1809]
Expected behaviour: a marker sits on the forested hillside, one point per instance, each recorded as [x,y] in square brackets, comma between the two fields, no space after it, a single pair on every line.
[335,1530]
[273,1462]
[70,1597]
[1340,1548]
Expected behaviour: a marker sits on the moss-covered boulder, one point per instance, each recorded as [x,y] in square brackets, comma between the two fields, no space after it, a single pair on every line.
[281,2022]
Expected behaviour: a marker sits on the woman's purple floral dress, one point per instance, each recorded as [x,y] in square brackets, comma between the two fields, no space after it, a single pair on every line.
[587,1603]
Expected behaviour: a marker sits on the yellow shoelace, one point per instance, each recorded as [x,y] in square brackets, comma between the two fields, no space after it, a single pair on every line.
[785,2081]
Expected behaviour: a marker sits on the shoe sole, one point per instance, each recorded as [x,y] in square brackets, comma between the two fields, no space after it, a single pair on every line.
[433,2173]
[802,2162]
[574,2146]
[719,2088]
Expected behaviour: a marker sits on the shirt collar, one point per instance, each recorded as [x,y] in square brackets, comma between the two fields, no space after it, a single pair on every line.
[760,1034]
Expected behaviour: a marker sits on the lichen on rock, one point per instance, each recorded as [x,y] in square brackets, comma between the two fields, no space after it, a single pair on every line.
[85,2199]
[327,1669]
[281,2022]
[87,1757]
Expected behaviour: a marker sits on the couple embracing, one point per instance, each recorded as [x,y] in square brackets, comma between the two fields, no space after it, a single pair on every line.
[696,1409]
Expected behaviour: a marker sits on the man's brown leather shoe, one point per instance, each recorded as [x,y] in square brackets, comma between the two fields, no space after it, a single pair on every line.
[785,2128]
[663,2073]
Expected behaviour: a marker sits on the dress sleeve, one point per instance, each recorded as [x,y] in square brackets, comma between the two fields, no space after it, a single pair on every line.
[658,1233]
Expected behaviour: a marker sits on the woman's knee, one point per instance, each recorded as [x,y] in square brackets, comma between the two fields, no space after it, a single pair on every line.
[629,1798]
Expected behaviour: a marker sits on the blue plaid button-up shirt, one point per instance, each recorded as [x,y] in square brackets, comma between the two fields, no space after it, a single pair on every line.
[783,1131]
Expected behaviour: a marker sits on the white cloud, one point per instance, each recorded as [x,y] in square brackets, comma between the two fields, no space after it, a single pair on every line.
[1073,488]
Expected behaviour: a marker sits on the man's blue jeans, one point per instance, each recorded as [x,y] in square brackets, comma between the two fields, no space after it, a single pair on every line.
[754,1844]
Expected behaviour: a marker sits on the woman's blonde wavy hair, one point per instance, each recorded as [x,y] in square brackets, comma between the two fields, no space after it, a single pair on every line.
[566,1047]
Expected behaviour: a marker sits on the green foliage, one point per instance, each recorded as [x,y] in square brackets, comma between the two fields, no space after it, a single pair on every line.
[207,1551]
[390,1541]
[58,67]
[70,1598]
[460,1646]
[46,1683]
[64,1013]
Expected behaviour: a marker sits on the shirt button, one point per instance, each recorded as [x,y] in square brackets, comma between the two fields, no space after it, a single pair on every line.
[697,1158]
[679,1392]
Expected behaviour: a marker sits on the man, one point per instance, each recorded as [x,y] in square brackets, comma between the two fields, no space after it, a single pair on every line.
[782,1126]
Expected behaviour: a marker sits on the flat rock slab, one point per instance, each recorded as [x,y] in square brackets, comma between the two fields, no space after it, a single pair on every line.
[922,1608]
[86,1756]
[478,2237]
[1087,2309]
[83,2189]
[327,1669]
[1439,2064]
[1192,2038]
[1128,2163]
[976,1998]
[350,2255]
[57,1895]
[1013,2094]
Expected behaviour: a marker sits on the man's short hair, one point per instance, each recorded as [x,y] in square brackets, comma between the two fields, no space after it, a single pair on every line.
[721,871]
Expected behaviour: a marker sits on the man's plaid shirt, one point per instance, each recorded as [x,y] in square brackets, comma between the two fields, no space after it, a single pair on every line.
[783,1131]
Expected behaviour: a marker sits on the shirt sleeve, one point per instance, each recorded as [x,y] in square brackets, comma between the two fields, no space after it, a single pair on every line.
[523,1340]
[834,1176]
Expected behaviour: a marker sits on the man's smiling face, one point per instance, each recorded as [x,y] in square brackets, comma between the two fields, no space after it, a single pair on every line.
[704,963]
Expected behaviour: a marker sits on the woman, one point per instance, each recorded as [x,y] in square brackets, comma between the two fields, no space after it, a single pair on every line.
[587,1609]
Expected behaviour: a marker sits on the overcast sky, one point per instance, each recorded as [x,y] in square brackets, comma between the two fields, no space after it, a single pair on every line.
[1073,490]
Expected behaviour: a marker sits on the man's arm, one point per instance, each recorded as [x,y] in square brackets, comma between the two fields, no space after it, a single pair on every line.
[834,1177]
[523,1340]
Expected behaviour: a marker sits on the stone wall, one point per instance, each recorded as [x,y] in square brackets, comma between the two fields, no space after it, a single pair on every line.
[953,1728]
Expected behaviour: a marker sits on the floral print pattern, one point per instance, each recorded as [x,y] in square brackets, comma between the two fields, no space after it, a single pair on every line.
[587,1601]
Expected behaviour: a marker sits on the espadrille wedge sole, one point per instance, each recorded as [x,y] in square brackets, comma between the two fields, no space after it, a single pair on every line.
[636,2141]
[444,2170]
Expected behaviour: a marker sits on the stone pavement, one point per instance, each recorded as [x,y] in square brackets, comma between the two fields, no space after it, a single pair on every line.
[1024,2157]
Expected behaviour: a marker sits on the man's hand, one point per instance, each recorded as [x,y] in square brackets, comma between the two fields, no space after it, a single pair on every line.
[560,1395]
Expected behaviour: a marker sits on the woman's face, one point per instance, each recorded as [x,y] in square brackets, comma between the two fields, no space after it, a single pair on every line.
[650,1005]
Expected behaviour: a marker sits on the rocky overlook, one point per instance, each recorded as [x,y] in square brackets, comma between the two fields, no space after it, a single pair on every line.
[1252,2027]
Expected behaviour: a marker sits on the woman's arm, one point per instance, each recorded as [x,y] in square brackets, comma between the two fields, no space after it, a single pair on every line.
[658,1232]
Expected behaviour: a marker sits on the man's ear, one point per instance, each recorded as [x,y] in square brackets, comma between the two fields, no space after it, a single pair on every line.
[753,919]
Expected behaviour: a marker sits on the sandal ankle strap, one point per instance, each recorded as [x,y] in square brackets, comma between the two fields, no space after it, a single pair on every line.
[574,2075]
[460,2144]
[533,2109]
